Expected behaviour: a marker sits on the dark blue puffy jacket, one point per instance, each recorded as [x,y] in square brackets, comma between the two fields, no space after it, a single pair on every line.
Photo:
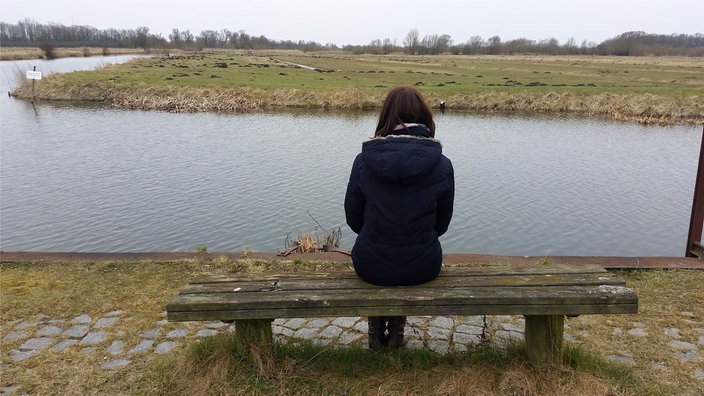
[399,200]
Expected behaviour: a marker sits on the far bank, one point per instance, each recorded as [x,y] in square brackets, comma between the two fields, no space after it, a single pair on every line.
[650,90]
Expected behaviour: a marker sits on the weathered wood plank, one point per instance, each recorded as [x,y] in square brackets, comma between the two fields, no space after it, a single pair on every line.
[516,300]
[601,294]
[475,280]
[544,338]
[382,310]
[494,269]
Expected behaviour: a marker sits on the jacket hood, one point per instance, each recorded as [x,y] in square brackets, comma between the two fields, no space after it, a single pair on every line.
[402,159]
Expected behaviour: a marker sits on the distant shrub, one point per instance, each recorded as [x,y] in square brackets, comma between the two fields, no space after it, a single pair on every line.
[49,50]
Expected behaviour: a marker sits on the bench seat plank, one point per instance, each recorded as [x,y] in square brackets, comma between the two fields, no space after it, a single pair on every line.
[445,282]
[462,271]
[513,301]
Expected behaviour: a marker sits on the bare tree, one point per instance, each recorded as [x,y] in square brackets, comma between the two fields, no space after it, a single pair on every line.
[494,45]
[175,37]
[142,36]
[411,42]
[475,45]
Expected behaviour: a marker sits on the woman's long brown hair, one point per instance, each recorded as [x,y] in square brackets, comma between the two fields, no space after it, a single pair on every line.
[404,104]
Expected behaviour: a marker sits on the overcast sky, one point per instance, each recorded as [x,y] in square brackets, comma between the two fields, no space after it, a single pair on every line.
[361,21]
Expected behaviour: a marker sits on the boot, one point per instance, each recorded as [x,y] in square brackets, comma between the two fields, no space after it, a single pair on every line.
[396,327]
[377,327]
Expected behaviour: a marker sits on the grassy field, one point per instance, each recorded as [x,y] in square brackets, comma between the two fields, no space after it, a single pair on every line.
[644,89]
[142,289]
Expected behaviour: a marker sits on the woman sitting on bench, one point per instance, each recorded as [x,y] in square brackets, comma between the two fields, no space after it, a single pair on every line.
[399,200]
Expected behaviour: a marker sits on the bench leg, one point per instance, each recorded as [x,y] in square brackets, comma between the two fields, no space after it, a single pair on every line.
[254,333]
[544,335]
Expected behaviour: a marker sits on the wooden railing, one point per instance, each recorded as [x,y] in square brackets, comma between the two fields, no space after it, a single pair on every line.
[696,222]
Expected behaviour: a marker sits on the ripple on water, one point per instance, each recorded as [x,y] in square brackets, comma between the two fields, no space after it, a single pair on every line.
[107,180]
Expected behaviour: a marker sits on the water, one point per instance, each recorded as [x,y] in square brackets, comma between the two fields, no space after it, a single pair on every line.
[12,72]
[97,179]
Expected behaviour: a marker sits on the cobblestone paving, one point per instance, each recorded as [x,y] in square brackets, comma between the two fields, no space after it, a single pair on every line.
[29,338]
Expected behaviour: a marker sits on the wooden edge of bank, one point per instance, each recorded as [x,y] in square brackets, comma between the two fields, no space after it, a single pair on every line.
[609,262]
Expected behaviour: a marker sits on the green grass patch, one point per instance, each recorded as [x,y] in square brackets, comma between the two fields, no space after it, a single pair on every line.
[439,75]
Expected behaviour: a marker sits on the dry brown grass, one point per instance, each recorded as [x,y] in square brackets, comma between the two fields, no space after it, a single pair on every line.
[667,300]
[642,108]
[308,242]
[386,375]
[519,379]
[141,290]
[20,53]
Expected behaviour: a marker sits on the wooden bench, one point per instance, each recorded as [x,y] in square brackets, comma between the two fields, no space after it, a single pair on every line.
[543,293]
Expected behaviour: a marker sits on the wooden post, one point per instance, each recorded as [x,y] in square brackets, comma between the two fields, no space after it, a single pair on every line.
[33,82]
[544,335]
[254,333]
[696,220]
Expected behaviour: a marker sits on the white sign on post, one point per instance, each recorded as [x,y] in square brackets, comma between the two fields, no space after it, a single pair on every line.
[34,75]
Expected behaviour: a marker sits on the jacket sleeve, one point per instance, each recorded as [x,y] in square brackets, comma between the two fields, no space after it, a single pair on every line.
[354,199]
[446,202]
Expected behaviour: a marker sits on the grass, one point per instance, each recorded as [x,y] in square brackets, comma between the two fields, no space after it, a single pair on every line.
[644,89]
[208,366]
[211,366]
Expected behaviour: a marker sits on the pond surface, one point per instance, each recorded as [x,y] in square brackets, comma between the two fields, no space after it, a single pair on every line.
[105,180]
[12,72]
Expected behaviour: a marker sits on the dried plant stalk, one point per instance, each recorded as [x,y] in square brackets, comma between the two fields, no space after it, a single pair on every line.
[308,242]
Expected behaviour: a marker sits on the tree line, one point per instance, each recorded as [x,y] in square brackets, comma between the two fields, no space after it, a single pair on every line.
[625,44]
[30,33]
